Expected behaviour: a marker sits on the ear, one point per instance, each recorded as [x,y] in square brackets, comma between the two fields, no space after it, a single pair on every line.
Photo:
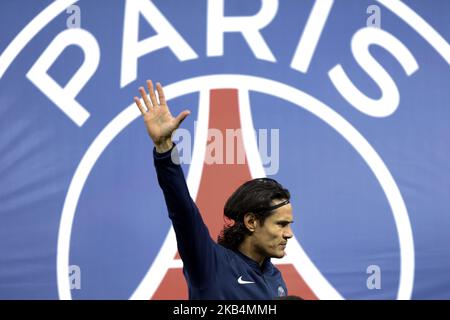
[250,221]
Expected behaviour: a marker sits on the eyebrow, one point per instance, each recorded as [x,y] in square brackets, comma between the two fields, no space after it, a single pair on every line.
[284,221]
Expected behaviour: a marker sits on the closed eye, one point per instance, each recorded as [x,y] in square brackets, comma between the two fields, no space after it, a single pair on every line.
[284,223]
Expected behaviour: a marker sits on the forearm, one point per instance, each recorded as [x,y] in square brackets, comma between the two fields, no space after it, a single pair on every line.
[173,184]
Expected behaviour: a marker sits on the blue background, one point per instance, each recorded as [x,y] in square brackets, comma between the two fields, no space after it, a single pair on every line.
[343,219]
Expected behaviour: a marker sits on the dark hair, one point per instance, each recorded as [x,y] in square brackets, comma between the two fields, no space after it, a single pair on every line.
[253,196]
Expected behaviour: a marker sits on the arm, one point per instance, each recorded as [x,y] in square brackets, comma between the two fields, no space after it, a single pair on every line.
[195,245]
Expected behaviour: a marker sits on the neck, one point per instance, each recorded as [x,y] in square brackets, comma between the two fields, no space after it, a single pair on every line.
[247,249]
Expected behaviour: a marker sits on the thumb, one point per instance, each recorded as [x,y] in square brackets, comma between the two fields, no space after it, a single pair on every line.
[182,116]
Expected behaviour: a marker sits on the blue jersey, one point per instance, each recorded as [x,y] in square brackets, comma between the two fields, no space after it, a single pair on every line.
[212,271]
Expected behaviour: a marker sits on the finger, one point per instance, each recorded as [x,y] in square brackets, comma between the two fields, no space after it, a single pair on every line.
[182,116]
[151,92]
[139,105]
[162,99]
[145,98]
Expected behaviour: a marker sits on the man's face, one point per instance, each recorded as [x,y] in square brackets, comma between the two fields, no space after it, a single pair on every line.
[270,238]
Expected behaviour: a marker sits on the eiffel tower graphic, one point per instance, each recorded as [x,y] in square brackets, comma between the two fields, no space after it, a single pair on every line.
[210,185]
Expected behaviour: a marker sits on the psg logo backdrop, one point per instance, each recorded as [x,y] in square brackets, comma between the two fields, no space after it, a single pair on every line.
[346,103]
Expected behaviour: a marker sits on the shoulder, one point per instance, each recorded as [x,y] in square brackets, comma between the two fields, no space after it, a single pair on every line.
[228,254]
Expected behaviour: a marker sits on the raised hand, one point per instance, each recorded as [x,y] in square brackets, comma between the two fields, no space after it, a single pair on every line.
[157,117]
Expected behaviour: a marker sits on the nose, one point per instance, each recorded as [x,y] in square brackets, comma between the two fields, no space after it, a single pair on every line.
[288,233]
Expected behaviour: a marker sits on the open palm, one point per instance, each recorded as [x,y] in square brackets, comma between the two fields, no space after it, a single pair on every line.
[158,120]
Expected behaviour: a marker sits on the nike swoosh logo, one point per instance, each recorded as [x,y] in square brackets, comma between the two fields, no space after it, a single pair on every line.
[240,281]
